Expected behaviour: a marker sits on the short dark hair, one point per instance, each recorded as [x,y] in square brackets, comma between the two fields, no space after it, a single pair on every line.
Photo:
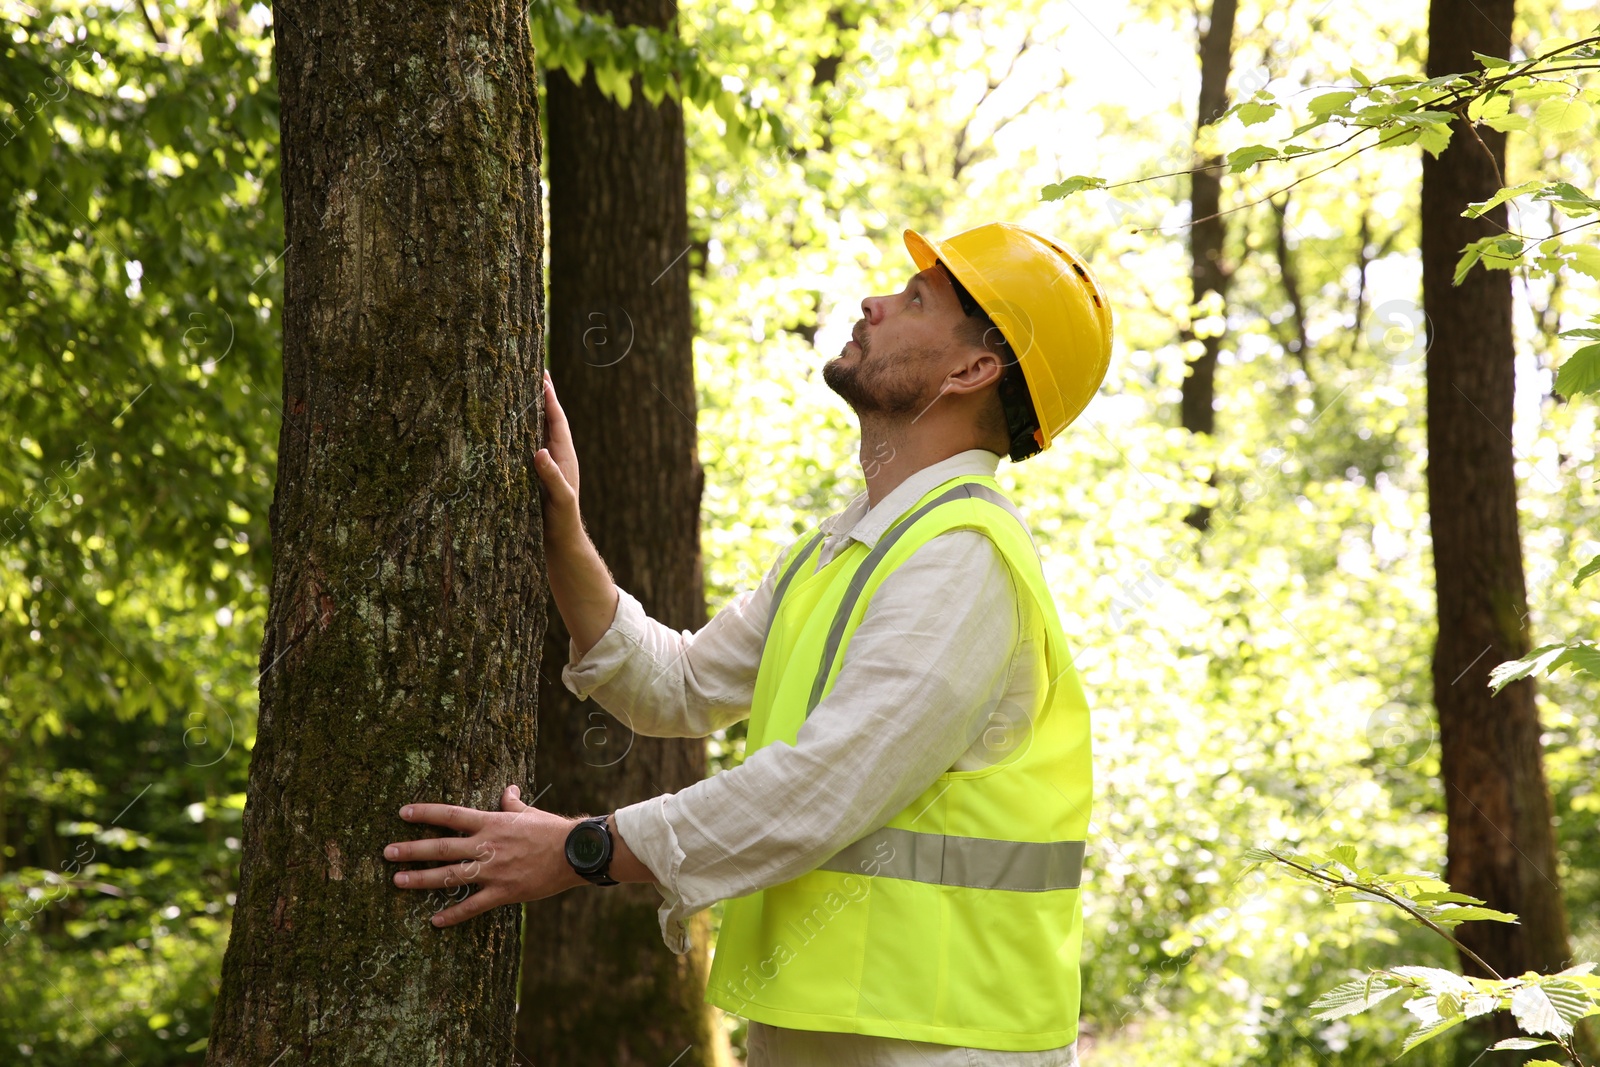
[1016,416]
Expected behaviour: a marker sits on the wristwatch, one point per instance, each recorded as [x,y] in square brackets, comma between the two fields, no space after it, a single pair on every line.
[589,850]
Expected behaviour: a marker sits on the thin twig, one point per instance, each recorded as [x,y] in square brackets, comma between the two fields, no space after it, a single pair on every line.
[1399,902]
[1304,178]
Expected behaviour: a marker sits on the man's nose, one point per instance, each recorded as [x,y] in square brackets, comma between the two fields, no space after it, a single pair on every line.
[872,309]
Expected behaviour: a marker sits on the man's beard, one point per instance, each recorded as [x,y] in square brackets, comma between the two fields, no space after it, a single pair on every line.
[871,388]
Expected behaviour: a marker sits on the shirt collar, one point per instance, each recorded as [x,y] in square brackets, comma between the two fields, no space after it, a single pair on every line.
[867,524]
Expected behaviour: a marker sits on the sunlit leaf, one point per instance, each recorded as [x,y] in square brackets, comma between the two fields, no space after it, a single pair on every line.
[1580,372]
[1354,997]
[1536,1014]
[1329,102]
[1062,189]
[1244,158]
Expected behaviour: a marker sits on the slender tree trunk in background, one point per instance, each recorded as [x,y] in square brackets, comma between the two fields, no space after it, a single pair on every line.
[1501,846]
[5,791]
[1207,271]
[407,609]
[599,986]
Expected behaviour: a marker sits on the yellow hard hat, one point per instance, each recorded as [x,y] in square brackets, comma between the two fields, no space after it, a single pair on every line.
[1047,304]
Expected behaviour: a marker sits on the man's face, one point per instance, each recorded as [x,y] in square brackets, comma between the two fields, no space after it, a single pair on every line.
[899,350]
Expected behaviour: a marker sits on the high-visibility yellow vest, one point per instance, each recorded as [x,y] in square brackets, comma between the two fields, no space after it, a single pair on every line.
[960,921]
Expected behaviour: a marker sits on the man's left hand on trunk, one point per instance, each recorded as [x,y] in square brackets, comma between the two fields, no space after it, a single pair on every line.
[512,855]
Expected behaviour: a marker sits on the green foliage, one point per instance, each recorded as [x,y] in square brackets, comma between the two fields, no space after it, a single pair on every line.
[1420,896]
[1581,372]
[1442,1000]
[1267,679]
[1545,93]
[1580,654]
[568,38]
[1060,189]
[140,226]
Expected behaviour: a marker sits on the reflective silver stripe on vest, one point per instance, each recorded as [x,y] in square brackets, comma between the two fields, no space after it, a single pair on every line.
[863,573]
[974,862]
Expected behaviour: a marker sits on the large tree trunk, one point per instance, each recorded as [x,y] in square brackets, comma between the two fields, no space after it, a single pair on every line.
[598,986]
[1501,846]
[1207,270]
[407,608]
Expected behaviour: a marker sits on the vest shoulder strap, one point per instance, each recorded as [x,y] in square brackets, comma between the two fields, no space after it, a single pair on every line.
[863,573]
[790,569]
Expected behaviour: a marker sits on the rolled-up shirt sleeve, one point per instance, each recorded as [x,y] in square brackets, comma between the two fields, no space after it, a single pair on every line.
[936,653]
[662,682]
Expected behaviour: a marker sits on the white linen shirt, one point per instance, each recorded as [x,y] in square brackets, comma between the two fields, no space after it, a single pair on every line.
[932,680]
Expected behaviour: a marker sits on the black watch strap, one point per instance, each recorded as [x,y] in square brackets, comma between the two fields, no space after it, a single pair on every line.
[597,872]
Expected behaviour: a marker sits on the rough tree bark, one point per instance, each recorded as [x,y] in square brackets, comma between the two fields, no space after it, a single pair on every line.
[1207,270]
[598,986]
[1500,843]
[407,609]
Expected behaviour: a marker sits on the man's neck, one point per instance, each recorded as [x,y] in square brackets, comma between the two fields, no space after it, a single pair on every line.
[891,454]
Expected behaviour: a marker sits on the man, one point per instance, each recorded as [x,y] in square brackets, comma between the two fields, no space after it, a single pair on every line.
[901,849]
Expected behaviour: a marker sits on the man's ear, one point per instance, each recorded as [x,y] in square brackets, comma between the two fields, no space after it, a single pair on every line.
[978,370]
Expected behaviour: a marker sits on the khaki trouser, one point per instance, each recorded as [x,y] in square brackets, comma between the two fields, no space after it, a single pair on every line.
[777,1046]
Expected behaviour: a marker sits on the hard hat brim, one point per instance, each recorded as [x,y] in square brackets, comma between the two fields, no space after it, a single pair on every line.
[923,252]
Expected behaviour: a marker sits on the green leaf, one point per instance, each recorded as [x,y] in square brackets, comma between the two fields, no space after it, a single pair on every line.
[1572,201]
[1506,123]
[1502,253]
[645,45]
[1536,1014]
[1521,1042]
[1251,112]
[1062,189]
[1585,259]
[1580,373]
[1470,255]
[1471,912]
[1328,102]
[1248,156]
[1436,979]
[1587,571]
[1431,1031]
[1355,997]
[1570,1000]
[1542,90]
[1489,107]
[1445,898]
[1585,657]
[1482,206]
[1553,44]
[1490,62]
[1562,116]
[1536,662]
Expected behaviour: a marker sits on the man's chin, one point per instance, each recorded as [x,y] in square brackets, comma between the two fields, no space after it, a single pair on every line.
[839,377]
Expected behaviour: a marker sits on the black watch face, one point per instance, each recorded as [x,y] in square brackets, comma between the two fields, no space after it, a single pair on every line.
[586,846]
